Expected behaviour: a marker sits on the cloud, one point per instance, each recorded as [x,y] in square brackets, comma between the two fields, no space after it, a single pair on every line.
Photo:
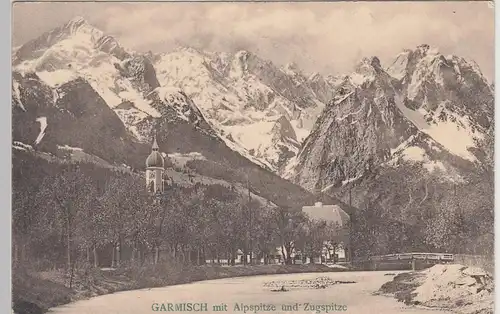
[323,36]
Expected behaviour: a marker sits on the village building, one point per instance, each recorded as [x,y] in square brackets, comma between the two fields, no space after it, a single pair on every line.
[334,251]
[339,248]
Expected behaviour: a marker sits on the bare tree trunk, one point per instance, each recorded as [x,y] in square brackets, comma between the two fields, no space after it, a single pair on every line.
[68,248]
[71,275]
[157,254]
[113,248]
[288,250]
[96,258]
[283,254]
[88,254]
[118,252]
[188,256]
[233,257]
[198,262]
[134,253]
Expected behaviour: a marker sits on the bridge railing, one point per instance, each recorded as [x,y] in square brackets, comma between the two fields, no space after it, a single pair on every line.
[410,256]
[402,261]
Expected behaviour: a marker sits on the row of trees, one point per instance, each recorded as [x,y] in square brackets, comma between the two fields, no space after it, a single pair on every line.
[427,214]
[84,214]
[72,218]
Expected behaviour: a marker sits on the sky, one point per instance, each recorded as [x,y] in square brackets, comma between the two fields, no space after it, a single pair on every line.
[324,37]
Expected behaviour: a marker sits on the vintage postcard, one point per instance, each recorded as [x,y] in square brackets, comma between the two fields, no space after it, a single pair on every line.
[252,157]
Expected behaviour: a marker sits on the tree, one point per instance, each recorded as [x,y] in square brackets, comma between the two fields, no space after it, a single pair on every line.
[124,201]
[288,228]
[265,235]
[314,237]
[68,193]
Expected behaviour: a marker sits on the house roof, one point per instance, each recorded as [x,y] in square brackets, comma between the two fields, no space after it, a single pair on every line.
[328,213]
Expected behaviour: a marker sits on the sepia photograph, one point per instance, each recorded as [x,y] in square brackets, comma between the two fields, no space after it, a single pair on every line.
[252,157]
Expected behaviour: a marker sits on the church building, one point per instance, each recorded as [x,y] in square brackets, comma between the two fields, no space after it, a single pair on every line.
[155,167]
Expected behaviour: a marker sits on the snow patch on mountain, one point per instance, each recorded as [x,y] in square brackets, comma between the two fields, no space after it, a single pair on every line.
[433,165]
[413,153]
[403,145]
[415,150]
[69,148]
[237,147]
[22,146]
[57,78]
[444,126]
[43,126]
[359,79]
[455,134]
[253,136]
[350,180]
[139,102]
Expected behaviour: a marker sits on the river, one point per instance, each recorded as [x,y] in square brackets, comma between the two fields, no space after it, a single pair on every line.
[342,297]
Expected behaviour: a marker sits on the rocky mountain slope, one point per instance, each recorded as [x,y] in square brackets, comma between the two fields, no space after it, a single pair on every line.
[426,108]
[259,109]
[405,140]
[76,89]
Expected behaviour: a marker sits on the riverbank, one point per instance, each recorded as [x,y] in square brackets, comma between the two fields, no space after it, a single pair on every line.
[36,292]
[462,289]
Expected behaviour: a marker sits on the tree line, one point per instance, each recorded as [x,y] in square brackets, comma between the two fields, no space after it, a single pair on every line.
[71,218]
[427,214]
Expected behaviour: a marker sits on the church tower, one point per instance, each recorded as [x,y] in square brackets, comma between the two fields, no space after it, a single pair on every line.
[154,170]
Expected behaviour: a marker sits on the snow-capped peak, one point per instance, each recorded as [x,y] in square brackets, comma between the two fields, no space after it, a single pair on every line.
[77,22]
[406,61]
[74,41]
[242,96]
[447,97]
[366,71]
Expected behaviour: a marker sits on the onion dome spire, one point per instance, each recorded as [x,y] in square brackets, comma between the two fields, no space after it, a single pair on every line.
[155,159]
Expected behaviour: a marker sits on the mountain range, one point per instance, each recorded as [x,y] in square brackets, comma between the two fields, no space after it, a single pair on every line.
[76,93]
[424,109]
[239,118]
